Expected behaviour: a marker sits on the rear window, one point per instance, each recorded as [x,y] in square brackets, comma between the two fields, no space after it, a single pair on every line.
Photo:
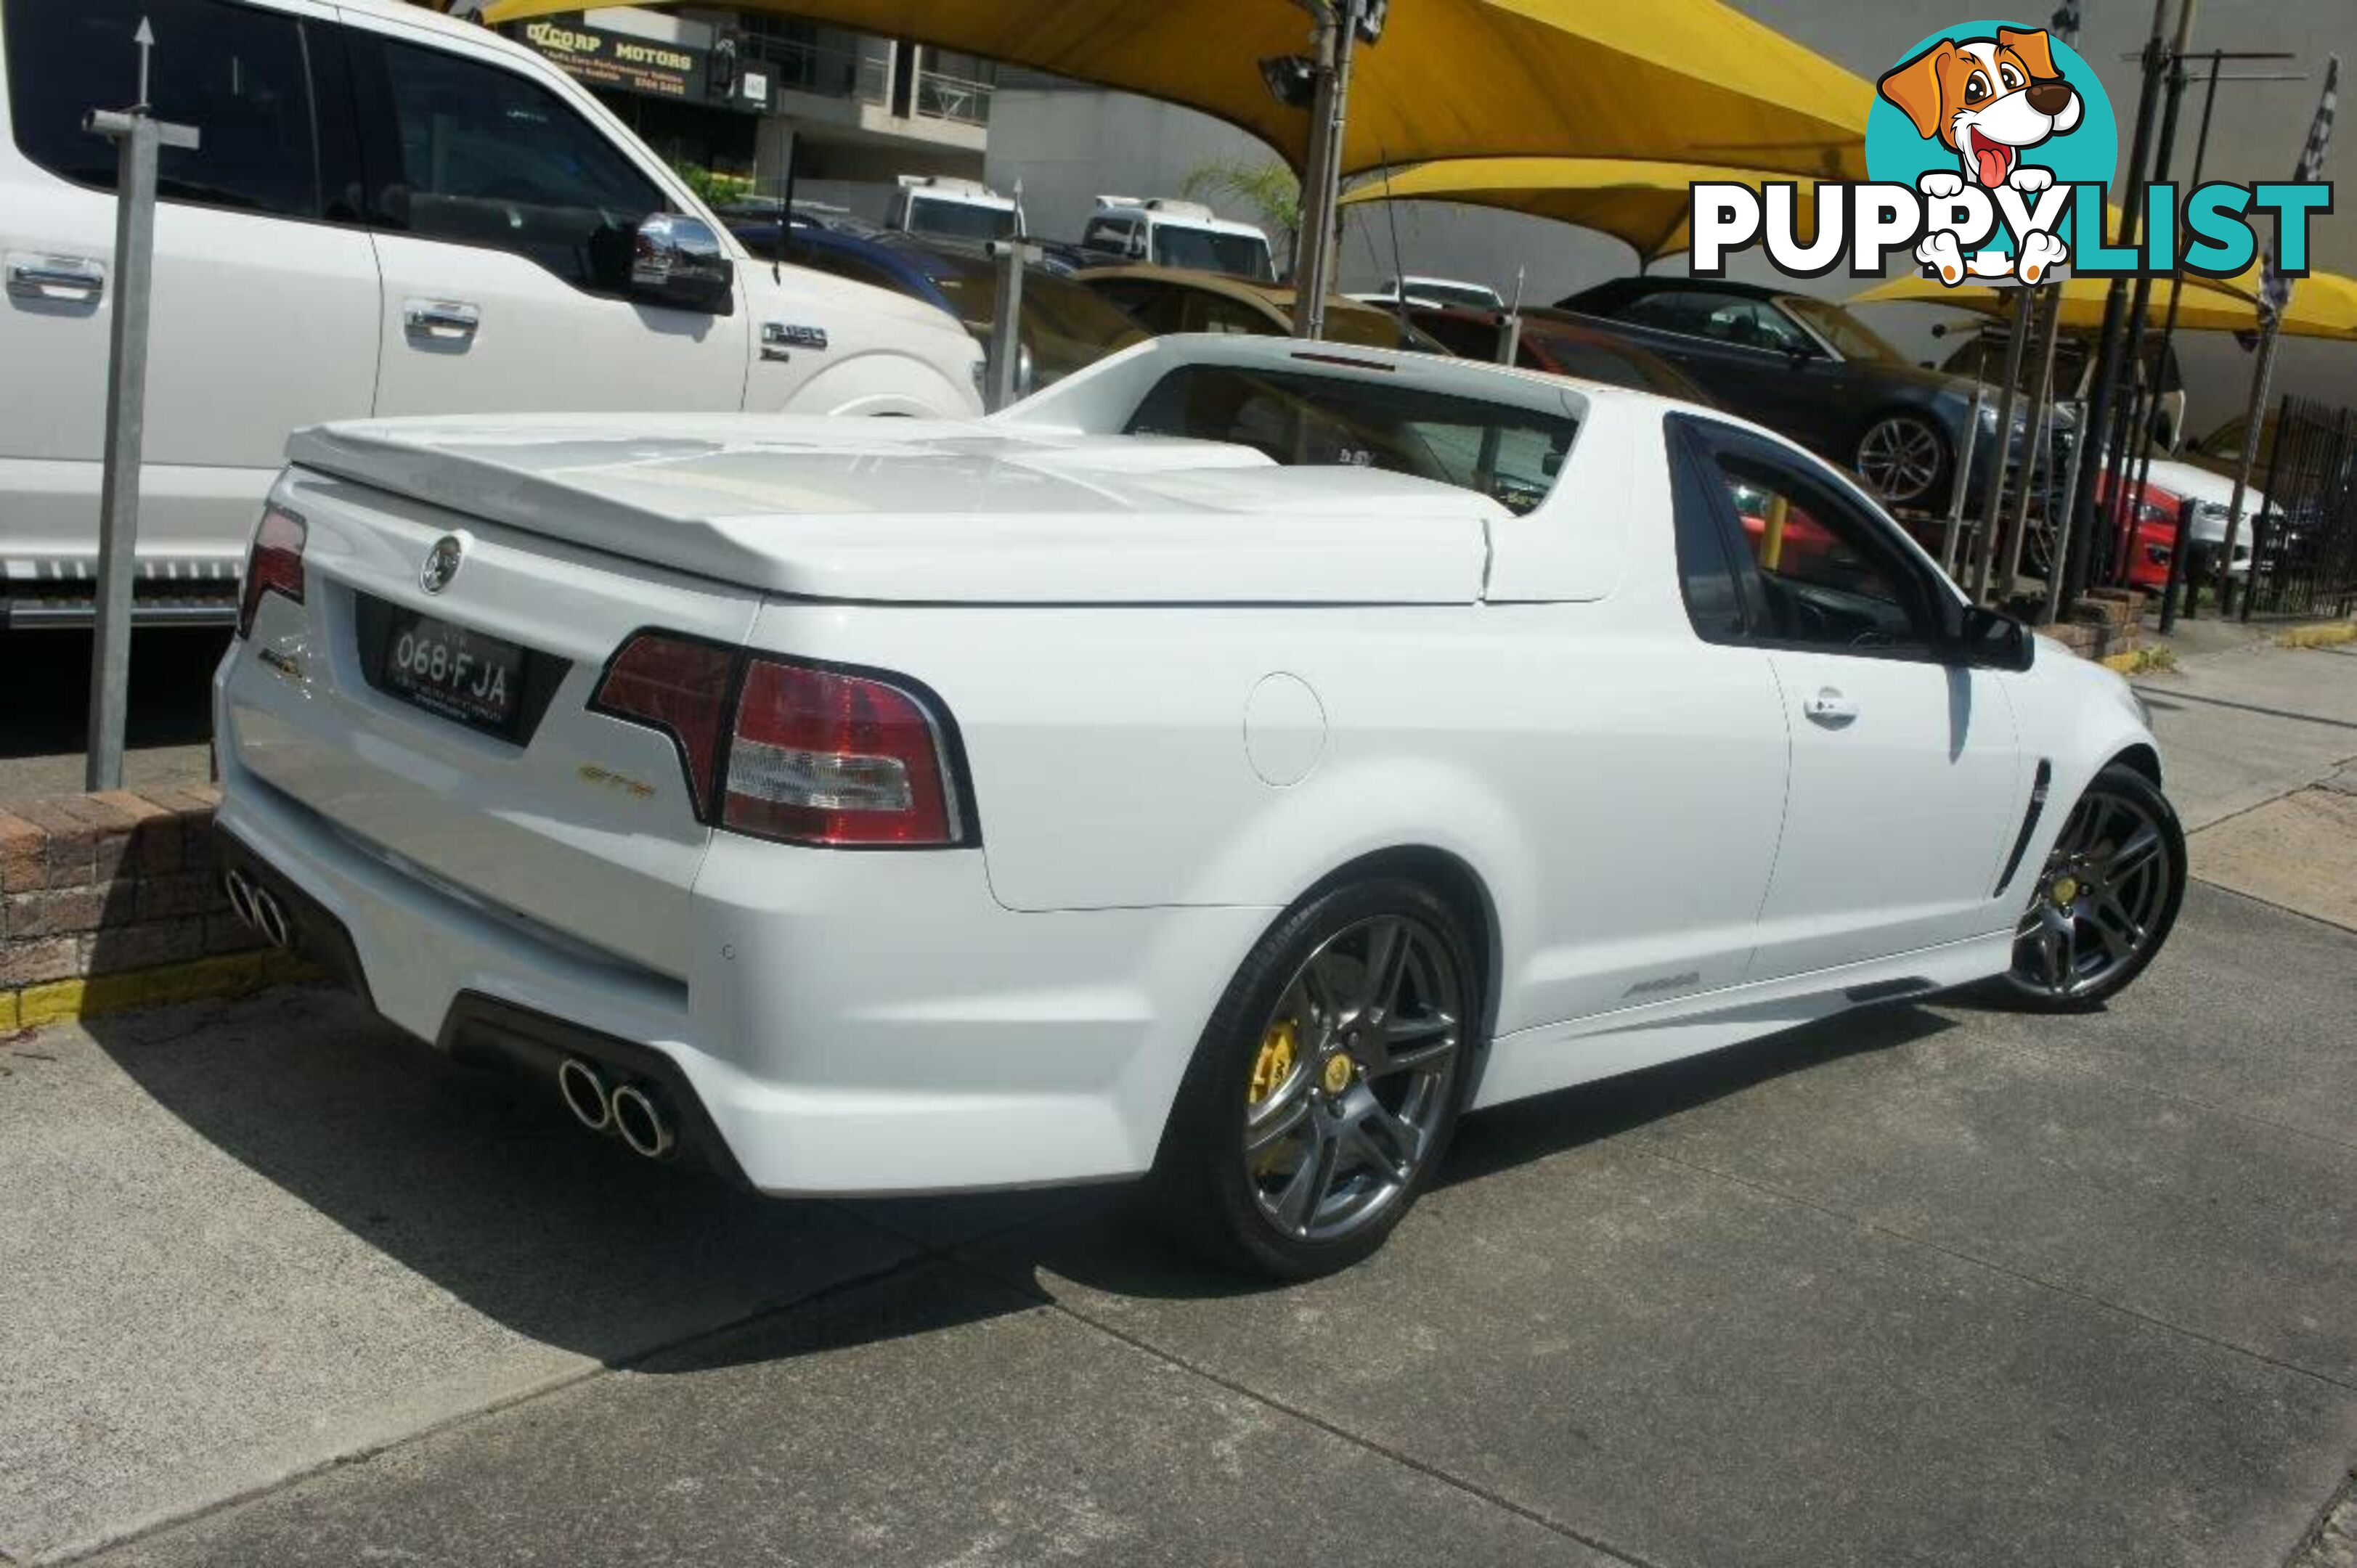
[959,219]
[1471,295]
[1302,419]
[1208,250]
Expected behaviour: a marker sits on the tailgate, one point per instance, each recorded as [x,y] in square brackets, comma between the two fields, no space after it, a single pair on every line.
[504,788]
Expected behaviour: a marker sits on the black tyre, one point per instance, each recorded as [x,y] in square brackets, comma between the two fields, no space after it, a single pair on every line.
[1905,458]
[1327,1085]
[2105,899]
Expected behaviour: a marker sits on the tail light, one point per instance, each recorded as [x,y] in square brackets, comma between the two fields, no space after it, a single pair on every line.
[678,685]
[795,752]
[274,566]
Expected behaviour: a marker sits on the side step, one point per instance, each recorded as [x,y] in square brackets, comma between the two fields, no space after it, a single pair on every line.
[70,613]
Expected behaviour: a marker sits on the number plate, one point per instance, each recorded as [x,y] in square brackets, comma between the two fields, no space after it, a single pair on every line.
[448,670]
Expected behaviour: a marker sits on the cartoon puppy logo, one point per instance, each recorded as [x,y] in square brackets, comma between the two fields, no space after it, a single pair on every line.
[1987,101]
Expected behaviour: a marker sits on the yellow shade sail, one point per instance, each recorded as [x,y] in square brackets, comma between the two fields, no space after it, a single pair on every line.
[1642,202]
[1690,79]
[2327,310]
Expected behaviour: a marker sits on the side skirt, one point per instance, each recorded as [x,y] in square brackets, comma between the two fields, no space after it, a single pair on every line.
[1556,1055]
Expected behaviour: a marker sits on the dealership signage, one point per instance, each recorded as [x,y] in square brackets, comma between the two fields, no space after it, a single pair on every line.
[613,60]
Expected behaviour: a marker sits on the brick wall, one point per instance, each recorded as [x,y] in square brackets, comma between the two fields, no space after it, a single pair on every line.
[99,884]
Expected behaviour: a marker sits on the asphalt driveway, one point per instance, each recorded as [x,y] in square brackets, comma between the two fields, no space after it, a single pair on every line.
[1931,1284]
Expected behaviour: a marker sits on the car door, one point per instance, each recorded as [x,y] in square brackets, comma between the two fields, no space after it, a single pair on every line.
[505,218]
[1907,781]
[259,256]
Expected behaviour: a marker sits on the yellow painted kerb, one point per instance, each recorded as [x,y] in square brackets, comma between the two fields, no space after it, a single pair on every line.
[62,1001]
[2326,633]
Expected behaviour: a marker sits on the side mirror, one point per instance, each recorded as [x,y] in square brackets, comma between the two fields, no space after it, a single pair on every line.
[677,261]
[1989,640]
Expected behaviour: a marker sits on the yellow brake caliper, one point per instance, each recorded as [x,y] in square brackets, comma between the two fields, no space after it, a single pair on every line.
[1275,1063]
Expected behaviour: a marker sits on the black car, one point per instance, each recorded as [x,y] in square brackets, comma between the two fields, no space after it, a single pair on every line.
[1808,369]
[1560,344]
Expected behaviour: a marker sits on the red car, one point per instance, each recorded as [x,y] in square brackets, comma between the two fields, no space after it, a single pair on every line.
[2154,534]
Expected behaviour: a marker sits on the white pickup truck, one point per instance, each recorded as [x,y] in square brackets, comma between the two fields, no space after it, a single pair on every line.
[1231,763]
[389,213]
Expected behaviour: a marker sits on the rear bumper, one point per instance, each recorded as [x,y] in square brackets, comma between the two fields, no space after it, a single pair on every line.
[851,1023]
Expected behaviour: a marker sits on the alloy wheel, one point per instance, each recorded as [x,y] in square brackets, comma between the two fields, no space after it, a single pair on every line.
[1901,457]
[2103,900]
[1355,1077]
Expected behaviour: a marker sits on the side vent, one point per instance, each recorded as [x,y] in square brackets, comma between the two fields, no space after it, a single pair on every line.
[2029,825]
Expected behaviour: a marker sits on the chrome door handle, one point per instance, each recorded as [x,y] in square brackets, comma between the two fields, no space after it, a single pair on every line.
[441,319]
[1829,707]
[55,277]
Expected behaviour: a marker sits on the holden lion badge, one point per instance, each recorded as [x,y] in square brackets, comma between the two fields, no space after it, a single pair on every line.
[442,562]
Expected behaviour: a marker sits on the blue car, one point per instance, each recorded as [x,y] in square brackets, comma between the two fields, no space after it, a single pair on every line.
[1065,325]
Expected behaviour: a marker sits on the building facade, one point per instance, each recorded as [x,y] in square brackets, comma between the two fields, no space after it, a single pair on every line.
[756,95]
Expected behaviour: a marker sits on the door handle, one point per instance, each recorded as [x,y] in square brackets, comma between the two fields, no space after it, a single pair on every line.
[441,320]
[55,277]
[1829,706]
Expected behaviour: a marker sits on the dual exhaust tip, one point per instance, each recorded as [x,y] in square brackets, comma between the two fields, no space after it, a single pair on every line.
[628,1110]
[259,908]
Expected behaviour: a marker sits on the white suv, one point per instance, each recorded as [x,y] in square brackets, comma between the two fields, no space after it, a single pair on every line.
[390,213]
[1170,234]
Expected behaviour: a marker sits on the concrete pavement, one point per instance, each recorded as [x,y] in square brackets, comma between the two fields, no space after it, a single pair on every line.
[1930,1284]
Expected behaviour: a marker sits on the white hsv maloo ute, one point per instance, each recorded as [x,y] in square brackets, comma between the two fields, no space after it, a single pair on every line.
[1233,765]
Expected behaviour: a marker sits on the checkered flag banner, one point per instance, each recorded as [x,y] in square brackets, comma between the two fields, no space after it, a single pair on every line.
[2275,289]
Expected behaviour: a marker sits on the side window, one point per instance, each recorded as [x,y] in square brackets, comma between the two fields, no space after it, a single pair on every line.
[1829,573]
[1673,310]
[238,74]
[1706,571]
[1754,324]
[480,156]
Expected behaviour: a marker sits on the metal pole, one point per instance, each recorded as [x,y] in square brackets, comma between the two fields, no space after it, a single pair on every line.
[126,431]
[139,139]
[1509,327]
[2133,417]
[2040,425]
[2263,532]
[1005,355]
[1328,116]
[1510,338]
[2084,530]
[1985,547]
[1964,479]
[2161,358]
[2062,541]
[2260,381]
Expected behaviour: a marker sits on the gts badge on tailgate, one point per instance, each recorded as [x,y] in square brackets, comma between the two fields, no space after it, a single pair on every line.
[781,339]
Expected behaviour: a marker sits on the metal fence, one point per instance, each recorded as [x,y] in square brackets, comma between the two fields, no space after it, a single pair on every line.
[2305,552]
